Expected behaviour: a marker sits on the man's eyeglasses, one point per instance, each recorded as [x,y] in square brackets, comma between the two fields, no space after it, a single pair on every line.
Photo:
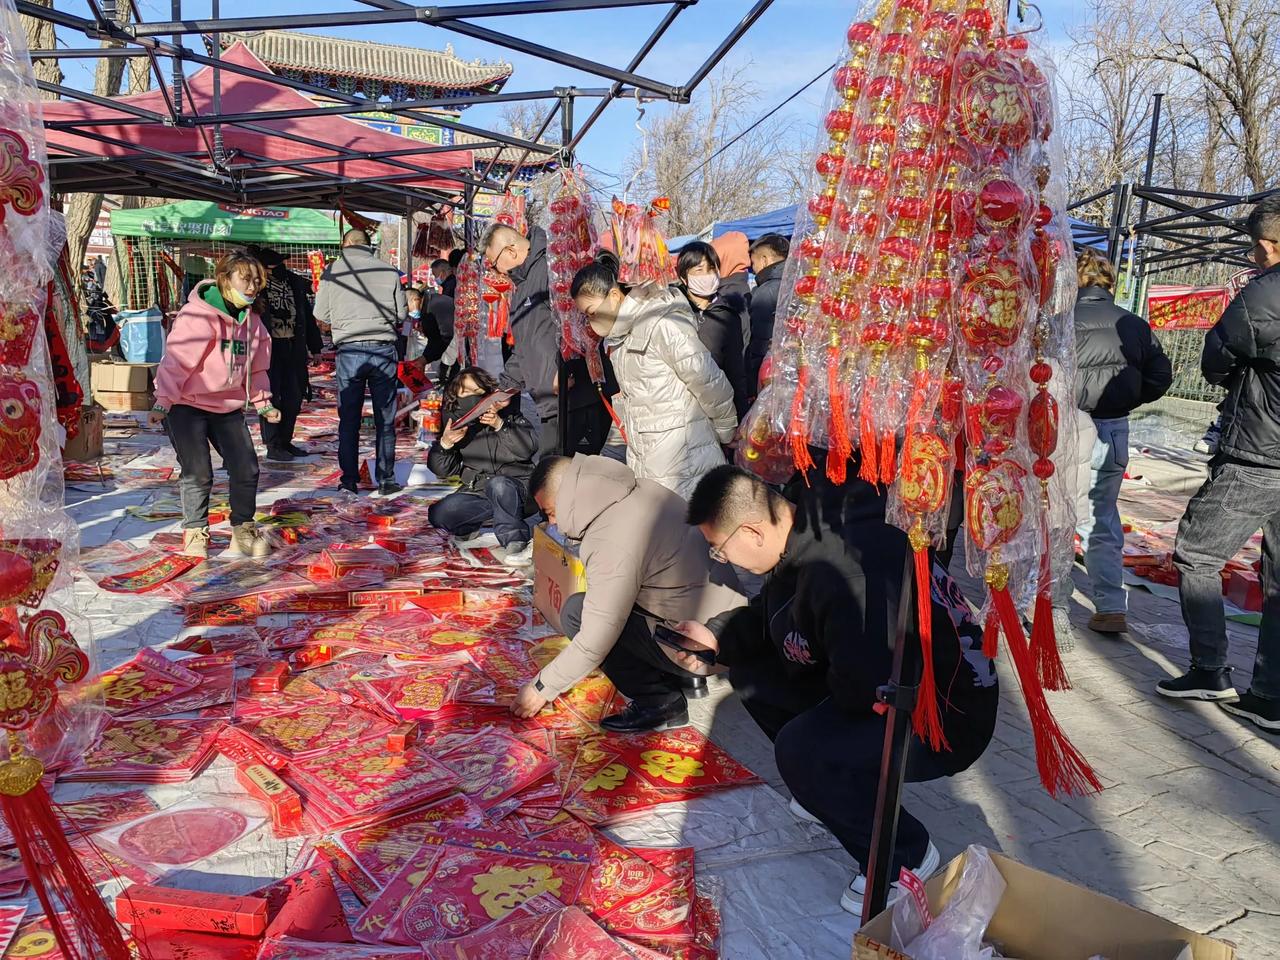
[717,553]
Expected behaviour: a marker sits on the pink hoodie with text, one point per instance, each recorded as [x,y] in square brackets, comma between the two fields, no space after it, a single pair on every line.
[205,358]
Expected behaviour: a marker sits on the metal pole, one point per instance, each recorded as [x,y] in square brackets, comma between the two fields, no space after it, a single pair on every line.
[1138,282]
[562,368]
[900,698]
[177,63]
[219,155]
[407,259]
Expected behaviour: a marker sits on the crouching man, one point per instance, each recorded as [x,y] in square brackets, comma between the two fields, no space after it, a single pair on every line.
[644,565]
[808,653]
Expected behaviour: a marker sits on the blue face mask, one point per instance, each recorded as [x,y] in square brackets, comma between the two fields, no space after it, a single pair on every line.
[415,314]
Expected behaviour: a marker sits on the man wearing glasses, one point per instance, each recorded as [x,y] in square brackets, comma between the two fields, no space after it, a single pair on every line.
[809,652]
[646,569]
[1242,494]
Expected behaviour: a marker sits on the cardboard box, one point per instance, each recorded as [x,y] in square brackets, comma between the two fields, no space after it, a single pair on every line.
[87,444]
[171,908]
[557,575]
[121,400]
[122,377]
[1042,917]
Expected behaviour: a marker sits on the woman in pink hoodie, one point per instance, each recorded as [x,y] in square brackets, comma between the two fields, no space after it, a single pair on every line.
[215,365]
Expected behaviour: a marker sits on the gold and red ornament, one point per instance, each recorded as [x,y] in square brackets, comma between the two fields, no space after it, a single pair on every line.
[467,310]
[572,242]
[639,243]
[496,294]
[315,264]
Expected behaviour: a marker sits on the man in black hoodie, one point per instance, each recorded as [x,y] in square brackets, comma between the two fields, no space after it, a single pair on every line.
[809,652]
[1242,353]
[768,260]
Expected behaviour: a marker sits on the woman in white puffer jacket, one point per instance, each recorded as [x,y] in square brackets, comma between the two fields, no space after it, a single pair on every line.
[675,405]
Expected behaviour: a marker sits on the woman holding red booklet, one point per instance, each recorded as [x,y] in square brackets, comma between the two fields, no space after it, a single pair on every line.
[493,455]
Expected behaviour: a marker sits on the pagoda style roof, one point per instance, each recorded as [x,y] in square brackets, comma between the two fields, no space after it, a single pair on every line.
[373,69]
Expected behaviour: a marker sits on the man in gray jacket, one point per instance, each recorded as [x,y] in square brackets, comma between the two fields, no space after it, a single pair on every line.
[361,302]
[644,565]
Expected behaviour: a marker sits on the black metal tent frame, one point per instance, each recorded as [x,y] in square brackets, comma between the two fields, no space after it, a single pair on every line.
[247,179]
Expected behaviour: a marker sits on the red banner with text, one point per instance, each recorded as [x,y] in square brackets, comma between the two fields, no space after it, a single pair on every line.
[1186,308]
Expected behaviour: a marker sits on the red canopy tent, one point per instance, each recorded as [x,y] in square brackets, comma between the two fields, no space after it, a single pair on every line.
[130,145]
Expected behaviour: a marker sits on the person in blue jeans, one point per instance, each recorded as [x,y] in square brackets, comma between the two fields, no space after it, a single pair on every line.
[493,456]
[1121,366]
[361,302]
[1242,494]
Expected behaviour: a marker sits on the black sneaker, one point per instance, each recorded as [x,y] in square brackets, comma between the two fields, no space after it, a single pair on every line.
[693,688]
[296,450]
[279,454]
[1199,683]
[1264,711]
[637,718]
[349,487]
[389,489]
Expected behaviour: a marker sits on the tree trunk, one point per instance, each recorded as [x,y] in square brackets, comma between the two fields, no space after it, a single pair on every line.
[40,36]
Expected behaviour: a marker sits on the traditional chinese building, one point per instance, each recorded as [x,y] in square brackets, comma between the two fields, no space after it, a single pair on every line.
[390,73]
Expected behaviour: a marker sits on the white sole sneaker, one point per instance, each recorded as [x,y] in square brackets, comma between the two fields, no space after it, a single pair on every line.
[1210,695]
[478,542]
[800,813]
[852,898]
[1261,721]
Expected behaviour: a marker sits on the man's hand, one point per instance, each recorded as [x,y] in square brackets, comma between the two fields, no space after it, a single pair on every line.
[528,703]
[271,416]
[451,436]
[701,636]
[491,419]
[555,384]
[156,417]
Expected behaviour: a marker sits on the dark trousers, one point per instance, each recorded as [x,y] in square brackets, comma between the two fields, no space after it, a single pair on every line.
[286,392]
[371,364]
[549,436]
[636,665]
[588,429]
[500,502]
[830,759]
[192,432]
[1227,510]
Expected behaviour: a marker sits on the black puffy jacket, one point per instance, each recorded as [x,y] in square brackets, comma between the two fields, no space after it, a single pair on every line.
[720,330]
[1121,365]
[764,303]
[1242,353]
[485,453]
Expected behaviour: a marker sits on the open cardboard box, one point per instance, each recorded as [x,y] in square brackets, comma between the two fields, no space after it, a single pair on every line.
[557,575]
[1042,917]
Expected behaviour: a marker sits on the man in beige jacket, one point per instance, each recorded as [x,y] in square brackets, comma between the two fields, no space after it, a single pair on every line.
[644,565]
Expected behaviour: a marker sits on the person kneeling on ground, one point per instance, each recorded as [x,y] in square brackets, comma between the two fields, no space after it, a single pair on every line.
[643,565]
[809,652]
[215,365]
[494,457]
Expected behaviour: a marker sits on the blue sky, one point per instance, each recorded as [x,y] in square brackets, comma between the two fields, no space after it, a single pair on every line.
[785,48]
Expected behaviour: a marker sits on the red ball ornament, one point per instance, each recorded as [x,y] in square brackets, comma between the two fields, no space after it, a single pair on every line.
[821,206]
[1002,205]
[1043,469]
[828,164]
[849,80]
[1041,372]
[806,286]
[839,309]
[866,178]
[839,122]
[1000,410]
[863,34]
[811,246]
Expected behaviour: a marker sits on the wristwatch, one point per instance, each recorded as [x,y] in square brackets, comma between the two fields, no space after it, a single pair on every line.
[537,685]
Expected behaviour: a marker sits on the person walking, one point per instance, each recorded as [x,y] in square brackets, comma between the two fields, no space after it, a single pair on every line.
[768,259]
[361,302]
[294,336]
[717,314]
[1242,494]
[216,362]
[493,456]
[1121,366]
[674,403]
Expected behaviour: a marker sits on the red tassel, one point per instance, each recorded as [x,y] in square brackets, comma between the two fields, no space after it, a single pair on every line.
[841,447]
[926,717]
[799,437]
[1063,770]
[888,457]
[1044,640]
[991,637]
[54,870]
[869,470]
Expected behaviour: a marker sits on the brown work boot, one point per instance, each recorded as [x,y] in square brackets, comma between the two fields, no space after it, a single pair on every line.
[246,541]
[1108,623]
[195,542]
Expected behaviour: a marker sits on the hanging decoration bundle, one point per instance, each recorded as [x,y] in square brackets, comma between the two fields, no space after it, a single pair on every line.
[925,321]
[572,242]
[467,309]
[44,726]
[639,243]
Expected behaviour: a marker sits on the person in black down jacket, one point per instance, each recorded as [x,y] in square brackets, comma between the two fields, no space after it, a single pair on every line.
[1121,366]
[718,317]
[1242,494]
[494,458]
[768,260]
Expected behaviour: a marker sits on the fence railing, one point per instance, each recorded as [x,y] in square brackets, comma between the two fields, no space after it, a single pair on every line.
[1183,348]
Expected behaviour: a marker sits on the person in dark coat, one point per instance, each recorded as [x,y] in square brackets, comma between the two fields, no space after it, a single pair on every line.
[809,652]
[449,285]
[1121,366]
[294,336]
[1241,353]
[735,279]
[493,456]
[768,259]
[717,315]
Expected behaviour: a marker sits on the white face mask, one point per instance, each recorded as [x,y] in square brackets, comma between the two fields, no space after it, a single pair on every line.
[703,285]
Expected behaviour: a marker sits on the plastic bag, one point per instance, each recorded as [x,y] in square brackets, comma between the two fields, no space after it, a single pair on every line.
[957,932]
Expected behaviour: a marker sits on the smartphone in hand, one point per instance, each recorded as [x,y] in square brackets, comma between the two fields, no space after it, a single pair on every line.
[678,641]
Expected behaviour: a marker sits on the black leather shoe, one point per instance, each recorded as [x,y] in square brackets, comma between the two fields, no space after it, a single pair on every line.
[296,450]
[389,489]
[693,688]
[279,454]
[1199,683]
[637,718]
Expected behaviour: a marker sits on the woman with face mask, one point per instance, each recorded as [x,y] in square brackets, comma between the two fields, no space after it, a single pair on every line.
[717,316]
[494,458]
[215,365]
[675,405]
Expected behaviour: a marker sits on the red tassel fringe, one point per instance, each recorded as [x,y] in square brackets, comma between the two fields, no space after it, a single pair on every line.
[991,637]
[1044,640]
[926,717]
[870,469]
[797,434]
[888,457]
[54,869]
[841,447]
